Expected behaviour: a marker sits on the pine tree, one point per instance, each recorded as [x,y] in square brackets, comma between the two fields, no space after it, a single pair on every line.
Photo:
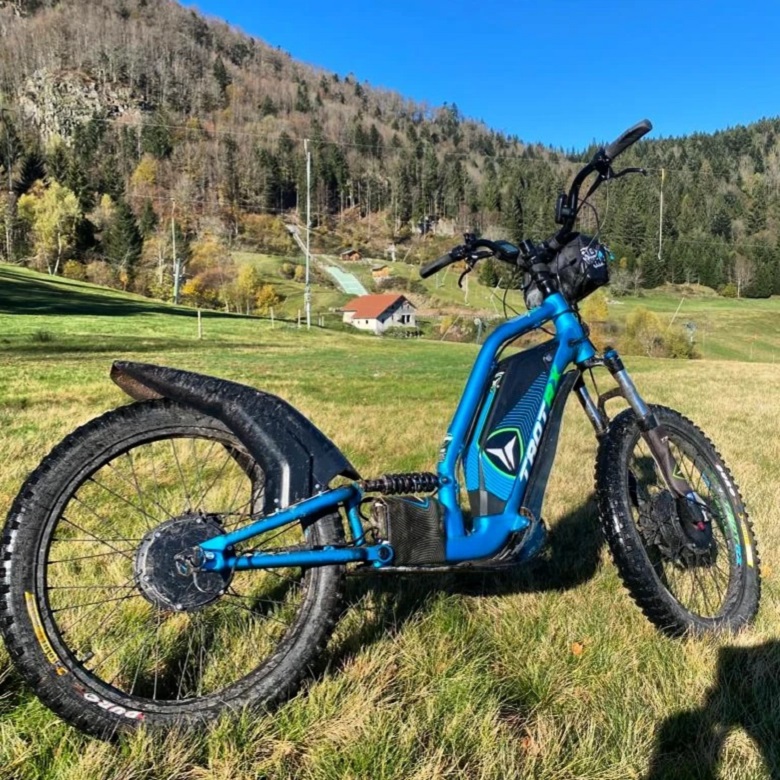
[302,102]
[454,187]
[488,274]
[56,163]
[122,242]
[267,107]
[148,219]
[756,218]
[514,218]
[222,77]
[375,143]
[653,271]
[77,180]
[268,179]
[721,224]
[430,181]
[156,136]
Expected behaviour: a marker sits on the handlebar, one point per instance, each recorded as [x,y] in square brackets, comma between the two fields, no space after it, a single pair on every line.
[436,265]
[503,250]
[630,136]
[530,256]
[601,162]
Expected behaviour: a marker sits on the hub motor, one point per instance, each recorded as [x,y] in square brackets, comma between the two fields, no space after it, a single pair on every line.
[673,527]
[164,579]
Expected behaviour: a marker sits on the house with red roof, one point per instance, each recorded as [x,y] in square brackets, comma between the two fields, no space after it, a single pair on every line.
[377,313]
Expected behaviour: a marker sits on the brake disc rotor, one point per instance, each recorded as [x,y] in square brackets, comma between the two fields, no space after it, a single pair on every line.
[662,525]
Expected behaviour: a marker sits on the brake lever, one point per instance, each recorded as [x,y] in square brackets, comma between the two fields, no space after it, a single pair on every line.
[471,261]
[626,171]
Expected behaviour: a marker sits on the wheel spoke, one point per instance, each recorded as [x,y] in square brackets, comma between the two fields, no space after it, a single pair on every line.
[93,603]
[183,673]
[154,520]
[699,579]
[199,467]
[254,611]
[215,480]
[139,663]
[123,633]
[156,654]
[89,587]
[181,474]
[104,621]
[96,538]
[119,647]
[84,557]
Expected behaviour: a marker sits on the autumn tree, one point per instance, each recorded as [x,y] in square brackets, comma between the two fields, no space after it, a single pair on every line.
[266,298]
[744,273]
[247,284]
[53,214]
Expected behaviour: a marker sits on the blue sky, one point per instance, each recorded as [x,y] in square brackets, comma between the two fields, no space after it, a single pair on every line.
[561,72]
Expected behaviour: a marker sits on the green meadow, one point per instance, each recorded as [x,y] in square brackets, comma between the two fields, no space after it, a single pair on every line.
[547,672]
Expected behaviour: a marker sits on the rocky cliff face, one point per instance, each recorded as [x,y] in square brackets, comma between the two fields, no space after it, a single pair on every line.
[57,102]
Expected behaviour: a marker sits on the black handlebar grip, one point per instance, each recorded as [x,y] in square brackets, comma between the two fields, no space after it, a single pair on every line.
[631,136]
[436,265]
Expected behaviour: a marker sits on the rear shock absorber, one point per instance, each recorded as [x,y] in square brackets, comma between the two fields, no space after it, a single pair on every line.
[396,484]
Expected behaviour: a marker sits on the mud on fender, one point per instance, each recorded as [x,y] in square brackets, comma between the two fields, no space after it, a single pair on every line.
[296,457]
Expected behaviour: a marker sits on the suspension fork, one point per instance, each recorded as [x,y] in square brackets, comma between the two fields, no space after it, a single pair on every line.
[650,429]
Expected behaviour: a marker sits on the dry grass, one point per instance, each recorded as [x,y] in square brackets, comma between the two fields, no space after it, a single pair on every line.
[551,672]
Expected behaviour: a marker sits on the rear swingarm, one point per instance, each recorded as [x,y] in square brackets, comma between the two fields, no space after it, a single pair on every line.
[218,553]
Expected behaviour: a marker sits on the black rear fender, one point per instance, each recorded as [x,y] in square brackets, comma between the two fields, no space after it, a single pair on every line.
[296,457]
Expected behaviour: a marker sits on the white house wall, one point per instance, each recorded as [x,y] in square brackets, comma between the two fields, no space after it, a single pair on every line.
[381,324]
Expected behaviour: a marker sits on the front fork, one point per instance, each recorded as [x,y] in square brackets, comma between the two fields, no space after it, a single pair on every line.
[651,430]
[654,435]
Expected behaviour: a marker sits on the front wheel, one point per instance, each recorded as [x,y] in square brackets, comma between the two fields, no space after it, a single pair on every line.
[93,611]
[681,583]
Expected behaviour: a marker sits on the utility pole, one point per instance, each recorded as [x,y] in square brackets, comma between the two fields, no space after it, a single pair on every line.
[176,269]
[9,209]
[661,217]
[307,287]
[368,210]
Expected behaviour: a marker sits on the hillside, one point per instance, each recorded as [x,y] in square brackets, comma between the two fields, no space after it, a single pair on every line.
[147,124]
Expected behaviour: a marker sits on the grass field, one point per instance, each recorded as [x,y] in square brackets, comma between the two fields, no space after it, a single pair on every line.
[551,672]
[324,297]
[724,329]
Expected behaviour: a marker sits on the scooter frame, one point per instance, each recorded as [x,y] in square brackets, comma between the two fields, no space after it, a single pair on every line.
[486,534]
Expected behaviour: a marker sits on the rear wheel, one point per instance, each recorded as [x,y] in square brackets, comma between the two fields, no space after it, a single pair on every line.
[96,617]
[682,580]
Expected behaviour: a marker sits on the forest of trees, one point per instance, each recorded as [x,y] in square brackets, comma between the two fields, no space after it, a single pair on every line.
[131,125]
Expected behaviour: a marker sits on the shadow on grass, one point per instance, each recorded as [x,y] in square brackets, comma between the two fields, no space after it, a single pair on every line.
[66,348]
[26,294]
[745,696]
[571,558]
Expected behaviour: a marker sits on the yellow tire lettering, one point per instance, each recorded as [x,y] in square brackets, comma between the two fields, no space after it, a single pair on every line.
[40,634]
